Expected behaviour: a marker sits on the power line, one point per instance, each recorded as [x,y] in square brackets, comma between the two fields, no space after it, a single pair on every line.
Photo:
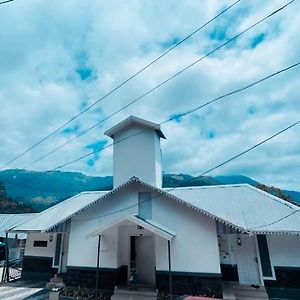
[3,2]
[157,86]
[116,88]
[216,167]
[172,118]
[180,115]
[276,221]
[251,148]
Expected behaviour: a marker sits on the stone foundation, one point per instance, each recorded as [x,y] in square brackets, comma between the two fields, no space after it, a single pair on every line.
[184,283]
[286,285]
[86,277]
[37,268]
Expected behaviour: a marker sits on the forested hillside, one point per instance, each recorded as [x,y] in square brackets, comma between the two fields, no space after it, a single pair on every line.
[8,205]
[23,191]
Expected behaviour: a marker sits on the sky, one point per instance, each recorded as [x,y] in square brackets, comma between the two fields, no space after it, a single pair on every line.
[57,57]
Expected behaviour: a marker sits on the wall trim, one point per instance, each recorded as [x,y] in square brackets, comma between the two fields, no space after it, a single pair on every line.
[287,268]
[92,269]
[197,274]
[38,257]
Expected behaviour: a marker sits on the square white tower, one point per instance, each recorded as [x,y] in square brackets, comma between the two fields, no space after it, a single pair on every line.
[136,151]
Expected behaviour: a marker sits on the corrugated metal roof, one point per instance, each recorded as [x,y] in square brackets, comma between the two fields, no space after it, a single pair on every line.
[134,120]
[242,207]
[61,212]
[245,206]
[48,219]
[8,221]
[150,225]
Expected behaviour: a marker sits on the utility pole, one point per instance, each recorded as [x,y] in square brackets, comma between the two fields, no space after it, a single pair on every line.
[170,270]
[98,263]
[7,256]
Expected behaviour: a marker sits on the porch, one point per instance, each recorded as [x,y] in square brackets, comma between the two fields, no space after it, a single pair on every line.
[129,244]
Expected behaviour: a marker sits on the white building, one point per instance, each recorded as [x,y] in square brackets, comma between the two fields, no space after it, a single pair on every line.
[215,233]
[16,241]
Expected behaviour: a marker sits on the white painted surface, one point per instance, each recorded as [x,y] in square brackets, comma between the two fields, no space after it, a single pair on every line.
[125,233]
[95,217]
[284,250]
[138,156]
[227,247]
[48,251]
[247,260]
[194,249]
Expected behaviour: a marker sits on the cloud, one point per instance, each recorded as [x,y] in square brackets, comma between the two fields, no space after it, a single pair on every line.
[58,57]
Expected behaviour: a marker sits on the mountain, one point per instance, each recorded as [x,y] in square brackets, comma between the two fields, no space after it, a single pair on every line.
[295,195]
[291,196]
[180,180]
[41,190]
[235,179]
[8,205]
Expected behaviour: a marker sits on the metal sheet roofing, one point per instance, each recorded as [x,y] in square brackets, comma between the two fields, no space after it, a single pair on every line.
[134,120]
[149,225]
[8,221]
[244,206]
[61,212]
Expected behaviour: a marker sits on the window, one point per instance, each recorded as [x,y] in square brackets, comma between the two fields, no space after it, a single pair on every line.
[145,206]
[40,244]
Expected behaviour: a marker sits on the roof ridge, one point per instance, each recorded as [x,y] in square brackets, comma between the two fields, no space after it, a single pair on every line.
[274,198]
[208,186]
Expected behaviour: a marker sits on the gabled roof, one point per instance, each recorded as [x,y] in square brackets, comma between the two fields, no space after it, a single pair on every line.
[130,121]
[242,207]
[245,206]
[149,225]
[8,221]
[57,214]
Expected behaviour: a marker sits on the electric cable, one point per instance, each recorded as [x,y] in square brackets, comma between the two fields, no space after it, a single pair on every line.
[112,91]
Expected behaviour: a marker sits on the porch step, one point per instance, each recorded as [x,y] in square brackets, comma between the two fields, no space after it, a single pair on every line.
[246,292]
[235,291]
[140,294]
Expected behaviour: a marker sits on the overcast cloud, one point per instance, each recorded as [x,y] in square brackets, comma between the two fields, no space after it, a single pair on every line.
[57,57]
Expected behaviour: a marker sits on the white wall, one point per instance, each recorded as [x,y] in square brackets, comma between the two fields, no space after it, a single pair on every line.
[137,156]
[125,232]
[284,250]
[195,247]
[228,245]
[83,249]
[48,251]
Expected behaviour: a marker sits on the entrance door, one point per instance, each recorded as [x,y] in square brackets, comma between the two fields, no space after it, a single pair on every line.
[247,261]
[145,259]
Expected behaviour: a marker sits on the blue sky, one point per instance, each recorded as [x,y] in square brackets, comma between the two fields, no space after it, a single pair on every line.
[57,57]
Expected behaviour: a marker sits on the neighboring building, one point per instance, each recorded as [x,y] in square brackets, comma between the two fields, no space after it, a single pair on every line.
[16,241]
[215,233]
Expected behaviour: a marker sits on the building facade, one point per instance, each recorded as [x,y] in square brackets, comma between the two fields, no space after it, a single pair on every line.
[200,235]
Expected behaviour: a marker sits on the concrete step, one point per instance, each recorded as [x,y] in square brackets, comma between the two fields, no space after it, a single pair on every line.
[228,293]
[132,297]
[233,290]
[249,298]
[248,292]
[140,294]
